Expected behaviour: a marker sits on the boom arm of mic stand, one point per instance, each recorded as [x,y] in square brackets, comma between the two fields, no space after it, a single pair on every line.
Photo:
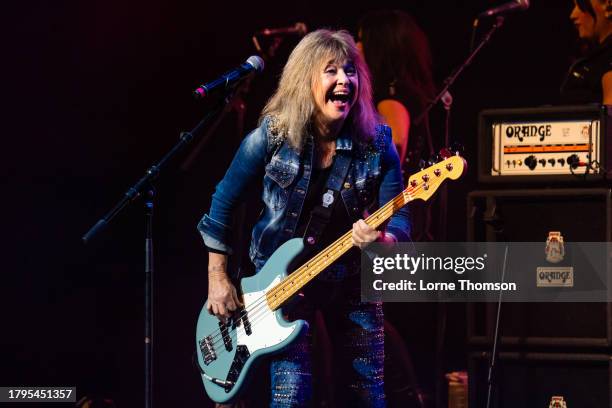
[151,174]
[448,82]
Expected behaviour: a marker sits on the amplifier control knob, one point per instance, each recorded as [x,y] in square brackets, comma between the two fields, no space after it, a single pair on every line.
[573,161]
[561,162]
[531,162]
[552,162]
[542,162]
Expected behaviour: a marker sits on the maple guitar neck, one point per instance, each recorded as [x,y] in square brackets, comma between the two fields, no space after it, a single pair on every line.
[421,186]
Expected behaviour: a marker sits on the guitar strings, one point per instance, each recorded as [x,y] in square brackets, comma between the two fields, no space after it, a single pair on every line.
[299,274]
[380,215]
[335,248]
[259,305]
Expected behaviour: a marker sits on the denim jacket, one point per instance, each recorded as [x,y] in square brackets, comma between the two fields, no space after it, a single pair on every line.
[374,178]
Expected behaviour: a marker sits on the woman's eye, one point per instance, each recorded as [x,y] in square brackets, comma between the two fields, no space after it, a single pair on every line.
[330,71]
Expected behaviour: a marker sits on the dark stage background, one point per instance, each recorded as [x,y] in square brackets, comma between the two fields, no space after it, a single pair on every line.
[96,91]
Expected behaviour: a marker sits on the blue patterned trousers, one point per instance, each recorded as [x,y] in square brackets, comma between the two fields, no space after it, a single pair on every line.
[357,337]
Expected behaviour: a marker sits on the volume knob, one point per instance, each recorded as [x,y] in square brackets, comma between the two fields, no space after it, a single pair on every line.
[531,162]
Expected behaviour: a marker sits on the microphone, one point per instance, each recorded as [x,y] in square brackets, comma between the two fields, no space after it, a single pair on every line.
[516,5]
[298,28]
[230,78]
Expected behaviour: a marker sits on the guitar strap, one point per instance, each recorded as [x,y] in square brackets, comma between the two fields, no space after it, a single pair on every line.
[322,213]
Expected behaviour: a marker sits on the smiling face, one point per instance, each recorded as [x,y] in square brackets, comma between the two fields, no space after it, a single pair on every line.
[591,28]
[334,90]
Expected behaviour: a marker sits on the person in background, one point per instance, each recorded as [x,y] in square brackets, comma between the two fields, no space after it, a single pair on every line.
[589,79]
[397,53]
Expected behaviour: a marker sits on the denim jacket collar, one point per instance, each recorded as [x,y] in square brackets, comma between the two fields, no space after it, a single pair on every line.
[344,141]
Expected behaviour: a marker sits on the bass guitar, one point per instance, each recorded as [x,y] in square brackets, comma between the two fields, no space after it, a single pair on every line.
[226,351]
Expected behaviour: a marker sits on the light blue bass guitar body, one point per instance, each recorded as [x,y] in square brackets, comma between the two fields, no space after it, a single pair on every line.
[227,352]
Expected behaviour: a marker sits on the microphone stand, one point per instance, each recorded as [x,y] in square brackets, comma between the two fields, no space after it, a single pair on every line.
[448,82]
[491,376]
[145,188]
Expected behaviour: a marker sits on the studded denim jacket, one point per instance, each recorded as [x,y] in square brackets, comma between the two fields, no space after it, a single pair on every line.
[373,179]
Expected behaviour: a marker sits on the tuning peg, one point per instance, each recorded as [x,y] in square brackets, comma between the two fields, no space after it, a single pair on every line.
[457,149]
[436,158]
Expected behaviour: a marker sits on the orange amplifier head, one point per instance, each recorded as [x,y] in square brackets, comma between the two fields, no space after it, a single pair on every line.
[560,143]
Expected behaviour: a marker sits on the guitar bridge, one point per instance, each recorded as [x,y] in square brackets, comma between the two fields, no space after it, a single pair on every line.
[208,350]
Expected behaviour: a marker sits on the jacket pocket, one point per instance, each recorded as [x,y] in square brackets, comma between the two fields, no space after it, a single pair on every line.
[278,178]
[282,173]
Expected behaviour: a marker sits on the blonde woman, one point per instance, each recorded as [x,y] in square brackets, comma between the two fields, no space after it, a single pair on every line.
[321,111]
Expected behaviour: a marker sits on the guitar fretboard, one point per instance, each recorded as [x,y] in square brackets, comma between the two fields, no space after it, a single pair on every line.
[421,185]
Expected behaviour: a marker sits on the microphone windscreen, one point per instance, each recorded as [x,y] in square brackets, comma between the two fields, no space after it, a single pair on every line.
[256,62]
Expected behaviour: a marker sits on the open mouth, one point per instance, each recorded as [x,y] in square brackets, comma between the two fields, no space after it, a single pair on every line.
[341,98]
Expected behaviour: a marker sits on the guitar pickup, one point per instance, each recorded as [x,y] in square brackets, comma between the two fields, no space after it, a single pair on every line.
[208,350]
[247,324]
[227,340]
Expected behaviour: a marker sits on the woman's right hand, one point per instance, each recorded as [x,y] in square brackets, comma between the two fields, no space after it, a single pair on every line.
[222,296]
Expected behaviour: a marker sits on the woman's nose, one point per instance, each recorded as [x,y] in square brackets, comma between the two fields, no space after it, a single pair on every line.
[342,77]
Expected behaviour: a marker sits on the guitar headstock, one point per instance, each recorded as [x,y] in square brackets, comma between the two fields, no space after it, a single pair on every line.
[423,184]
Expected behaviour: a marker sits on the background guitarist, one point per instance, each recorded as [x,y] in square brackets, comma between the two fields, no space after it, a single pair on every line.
[320,115]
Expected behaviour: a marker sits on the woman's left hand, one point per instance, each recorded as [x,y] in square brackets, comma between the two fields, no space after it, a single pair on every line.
[363,235]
